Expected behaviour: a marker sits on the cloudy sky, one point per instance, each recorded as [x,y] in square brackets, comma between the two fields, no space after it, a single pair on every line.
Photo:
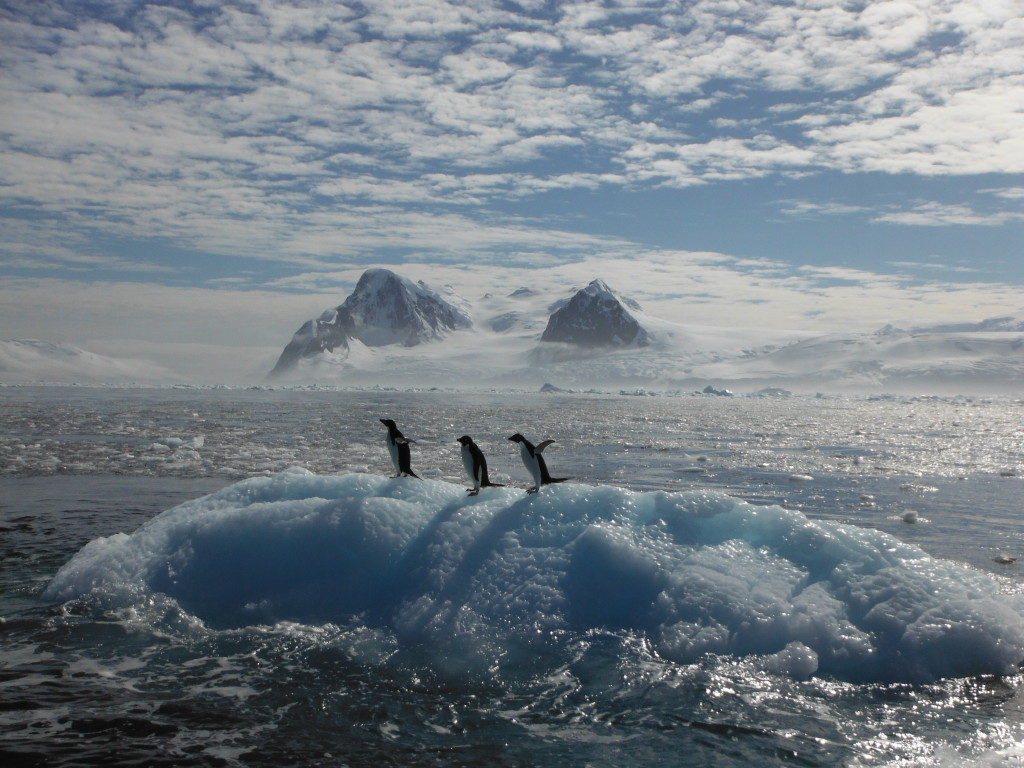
[179,177]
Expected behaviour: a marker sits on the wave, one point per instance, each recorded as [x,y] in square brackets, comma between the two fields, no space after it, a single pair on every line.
[487,580]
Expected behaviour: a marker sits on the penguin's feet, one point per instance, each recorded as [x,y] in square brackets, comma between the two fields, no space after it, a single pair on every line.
[472,491]
[532,490]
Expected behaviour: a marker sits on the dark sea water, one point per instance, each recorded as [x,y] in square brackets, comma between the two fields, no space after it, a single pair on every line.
[138,679]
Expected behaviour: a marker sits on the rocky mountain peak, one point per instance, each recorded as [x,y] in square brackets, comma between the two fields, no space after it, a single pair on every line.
[385,308]
[596,316]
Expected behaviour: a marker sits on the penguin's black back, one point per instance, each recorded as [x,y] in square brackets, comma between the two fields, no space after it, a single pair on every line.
[545,476]
[480,461]
[405,460]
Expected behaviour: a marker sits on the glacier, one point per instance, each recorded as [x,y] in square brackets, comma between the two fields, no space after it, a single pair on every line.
[490,581]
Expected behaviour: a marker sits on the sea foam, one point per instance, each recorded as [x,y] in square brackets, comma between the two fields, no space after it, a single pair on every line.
[483,581]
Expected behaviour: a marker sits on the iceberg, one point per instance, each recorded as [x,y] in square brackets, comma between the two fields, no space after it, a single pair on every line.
[486,581]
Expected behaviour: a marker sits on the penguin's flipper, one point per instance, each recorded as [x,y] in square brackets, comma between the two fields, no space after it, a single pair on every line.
[542,445]
[404,441]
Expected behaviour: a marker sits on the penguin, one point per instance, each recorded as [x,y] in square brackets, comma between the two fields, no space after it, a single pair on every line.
[398,447]
[534,462]
[476,466]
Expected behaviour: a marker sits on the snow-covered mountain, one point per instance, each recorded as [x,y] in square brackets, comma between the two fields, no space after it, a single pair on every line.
[591,337]
[595,339]
[597,317]
[25,361]
[384,309]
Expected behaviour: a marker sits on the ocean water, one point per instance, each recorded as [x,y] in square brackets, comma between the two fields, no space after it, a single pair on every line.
[788,581]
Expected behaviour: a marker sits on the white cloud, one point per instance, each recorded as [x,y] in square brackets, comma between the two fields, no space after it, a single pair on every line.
[934,266]
[534,40]
[818,208]
[167,86]
[921,213]
[424,82]
[316,135]
[933,214]
[1010,193]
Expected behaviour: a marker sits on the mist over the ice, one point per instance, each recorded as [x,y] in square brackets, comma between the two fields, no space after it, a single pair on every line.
[485,582]
[396,333]
[32,361]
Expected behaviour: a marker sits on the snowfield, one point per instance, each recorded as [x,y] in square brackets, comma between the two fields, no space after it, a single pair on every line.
[392,332]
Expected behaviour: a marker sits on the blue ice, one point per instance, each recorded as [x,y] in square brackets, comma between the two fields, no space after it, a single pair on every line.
[475,580]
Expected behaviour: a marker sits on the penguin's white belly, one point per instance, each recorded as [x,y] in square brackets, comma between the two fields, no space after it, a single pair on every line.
[393,450]
[531,464]
[467,462]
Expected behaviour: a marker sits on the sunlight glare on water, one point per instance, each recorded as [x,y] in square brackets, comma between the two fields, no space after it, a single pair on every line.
[145,678]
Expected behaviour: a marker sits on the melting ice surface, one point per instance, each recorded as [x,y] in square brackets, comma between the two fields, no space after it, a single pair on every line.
[487,583]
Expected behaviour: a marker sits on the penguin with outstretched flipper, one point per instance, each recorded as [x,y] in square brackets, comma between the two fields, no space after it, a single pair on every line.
[534,462]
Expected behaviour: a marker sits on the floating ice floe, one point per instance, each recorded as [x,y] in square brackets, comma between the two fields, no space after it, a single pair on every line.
[481,581]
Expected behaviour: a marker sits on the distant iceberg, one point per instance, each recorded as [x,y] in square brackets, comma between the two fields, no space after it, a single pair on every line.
[479,582]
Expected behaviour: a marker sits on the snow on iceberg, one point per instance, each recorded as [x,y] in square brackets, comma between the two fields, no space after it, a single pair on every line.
[484,580]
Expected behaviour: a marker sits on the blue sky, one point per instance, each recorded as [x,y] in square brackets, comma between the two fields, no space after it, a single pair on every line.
[212,173]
